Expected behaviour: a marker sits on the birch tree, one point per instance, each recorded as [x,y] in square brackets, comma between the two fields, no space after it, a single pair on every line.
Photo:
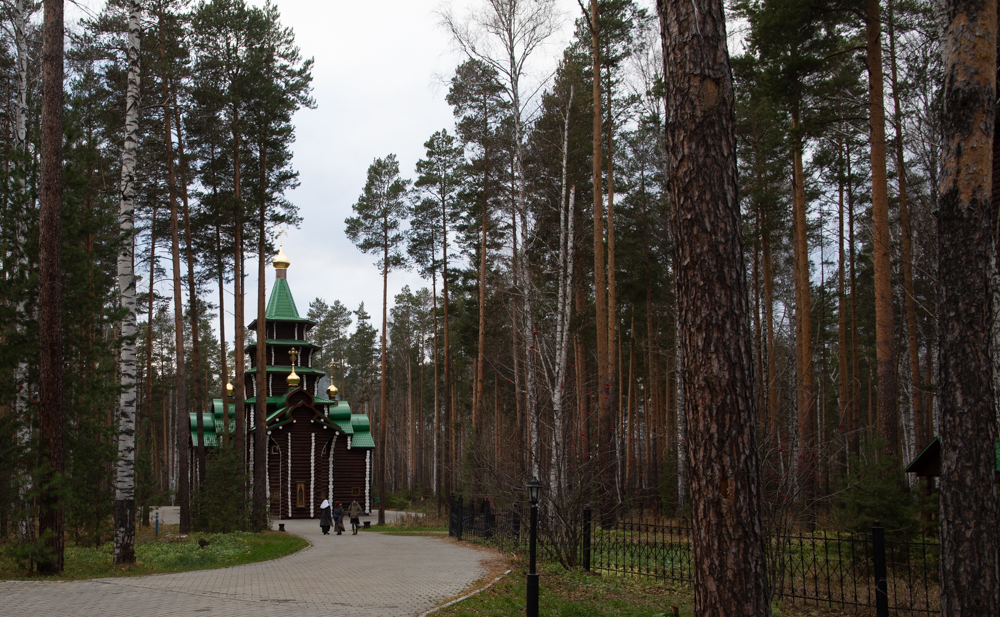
[504,35]
[125,467]
[564,305]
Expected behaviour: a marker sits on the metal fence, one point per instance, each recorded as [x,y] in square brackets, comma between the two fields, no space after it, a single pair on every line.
[863,572]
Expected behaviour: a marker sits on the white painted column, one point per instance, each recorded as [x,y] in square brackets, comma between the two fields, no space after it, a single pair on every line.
[289,456]
[368,480]
[312,474]
[333,448]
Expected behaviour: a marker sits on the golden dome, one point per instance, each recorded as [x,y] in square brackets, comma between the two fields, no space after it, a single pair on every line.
[331,392]
[281,261]
[293,380]
[230,390]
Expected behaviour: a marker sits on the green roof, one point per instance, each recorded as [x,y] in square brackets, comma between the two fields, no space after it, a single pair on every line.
[339,415]
[362,432]
[210,422]
[281,305]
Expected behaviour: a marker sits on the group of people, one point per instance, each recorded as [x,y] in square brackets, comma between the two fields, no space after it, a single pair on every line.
[335,517]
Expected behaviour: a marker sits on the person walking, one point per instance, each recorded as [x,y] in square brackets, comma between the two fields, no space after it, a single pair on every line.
[354,512]
[325,517]
[338,519]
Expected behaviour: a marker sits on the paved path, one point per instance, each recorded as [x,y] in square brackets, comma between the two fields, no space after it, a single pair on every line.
[368,574]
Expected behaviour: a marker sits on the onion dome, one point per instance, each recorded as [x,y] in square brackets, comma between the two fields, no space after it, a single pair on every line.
[331,392]
[281,261]
[230,390]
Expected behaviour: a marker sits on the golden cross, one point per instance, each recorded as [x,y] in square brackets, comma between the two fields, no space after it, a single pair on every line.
[293,354]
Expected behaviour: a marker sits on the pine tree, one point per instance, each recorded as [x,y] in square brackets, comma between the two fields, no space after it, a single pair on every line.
[730,574]
[375,229]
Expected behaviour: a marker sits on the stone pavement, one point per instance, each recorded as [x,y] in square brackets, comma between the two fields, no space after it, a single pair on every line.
[369,574]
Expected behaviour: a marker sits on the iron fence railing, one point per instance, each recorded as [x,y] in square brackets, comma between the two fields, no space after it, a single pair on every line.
[865,572]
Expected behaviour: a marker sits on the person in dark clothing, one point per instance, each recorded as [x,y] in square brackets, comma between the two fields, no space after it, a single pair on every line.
[354,512]
[338,518]
[325,517]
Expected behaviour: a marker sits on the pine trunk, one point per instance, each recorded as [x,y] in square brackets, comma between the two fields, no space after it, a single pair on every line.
[180,385]
[968,506]
[605,451]
[888,422]
[805,461]
[730,574]
[383,424]
[124,507]
[50,411]
[260,502]
[194,313]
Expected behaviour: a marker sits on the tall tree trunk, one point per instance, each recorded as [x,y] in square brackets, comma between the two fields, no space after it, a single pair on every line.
[50,410]
[605,450]
[843,369]
[260,503]
[478,405]
[441,485]
[194,313]
[239,317]
[882,243]
[224,371]
[772,359]
[383,410]
[970,581]
[907,237]
[855,424]
[183,421]
[21,385]
[806,451]
[612,388]
[730,573]
[124,507]
[449,411]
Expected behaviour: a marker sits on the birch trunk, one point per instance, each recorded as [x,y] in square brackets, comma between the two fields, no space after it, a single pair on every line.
[557,387]
[124,508]
[22,395]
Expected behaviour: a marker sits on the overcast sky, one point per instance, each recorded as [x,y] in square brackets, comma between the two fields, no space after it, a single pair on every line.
[380,81]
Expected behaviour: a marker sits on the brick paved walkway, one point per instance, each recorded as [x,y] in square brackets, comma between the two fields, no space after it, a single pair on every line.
[368,574]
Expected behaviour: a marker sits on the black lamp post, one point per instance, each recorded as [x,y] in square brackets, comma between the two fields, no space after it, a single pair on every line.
[534,488]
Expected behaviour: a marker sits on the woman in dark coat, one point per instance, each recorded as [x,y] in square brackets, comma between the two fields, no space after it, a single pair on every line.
[325,517]
[338,518]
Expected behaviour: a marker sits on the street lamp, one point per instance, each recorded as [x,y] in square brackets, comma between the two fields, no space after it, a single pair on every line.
[534,488]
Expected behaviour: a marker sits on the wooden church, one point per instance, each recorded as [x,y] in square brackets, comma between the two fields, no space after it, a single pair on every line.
[316,448]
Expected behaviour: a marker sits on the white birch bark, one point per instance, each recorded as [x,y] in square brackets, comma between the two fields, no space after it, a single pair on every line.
[557,467]
[20,147]
[124,551]
[504,35]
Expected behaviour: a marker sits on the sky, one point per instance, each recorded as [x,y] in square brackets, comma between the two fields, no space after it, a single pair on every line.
[379,81]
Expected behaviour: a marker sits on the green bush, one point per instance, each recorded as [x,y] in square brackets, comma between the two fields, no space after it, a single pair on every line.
[221,503]
[876,490]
